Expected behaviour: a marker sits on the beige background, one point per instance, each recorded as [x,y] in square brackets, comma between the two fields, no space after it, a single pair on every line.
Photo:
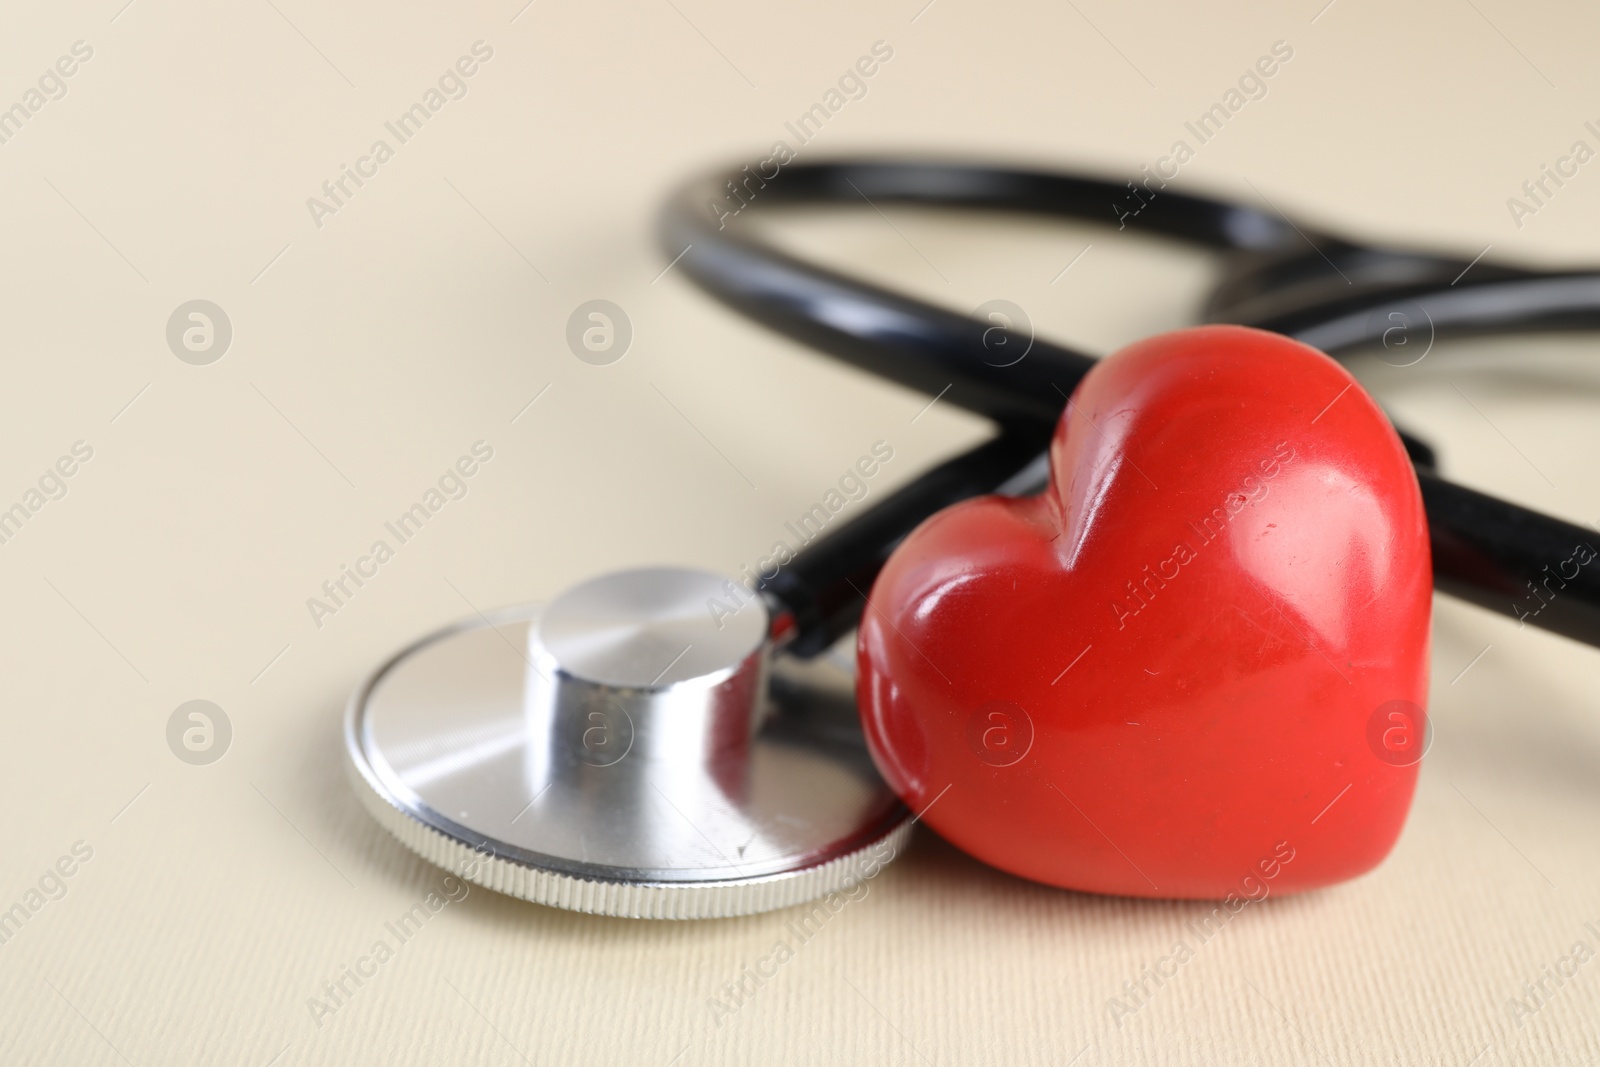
[374,350]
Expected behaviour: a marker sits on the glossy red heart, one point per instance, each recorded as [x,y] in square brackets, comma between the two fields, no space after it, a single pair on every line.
[1194,666]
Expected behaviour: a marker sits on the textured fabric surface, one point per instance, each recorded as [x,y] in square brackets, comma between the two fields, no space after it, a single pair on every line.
[381,331]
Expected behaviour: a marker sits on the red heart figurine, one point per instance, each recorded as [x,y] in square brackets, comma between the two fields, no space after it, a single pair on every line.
[1194,665]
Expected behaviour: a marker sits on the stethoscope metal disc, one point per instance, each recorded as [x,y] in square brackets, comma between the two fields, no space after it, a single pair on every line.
[603,792]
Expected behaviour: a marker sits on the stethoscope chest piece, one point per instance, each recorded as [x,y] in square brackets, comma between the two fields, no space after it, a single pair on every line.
[624,750]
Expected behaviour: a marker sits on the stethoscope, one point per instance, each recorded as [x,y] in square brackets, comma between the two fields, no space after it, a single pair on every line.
[623,750]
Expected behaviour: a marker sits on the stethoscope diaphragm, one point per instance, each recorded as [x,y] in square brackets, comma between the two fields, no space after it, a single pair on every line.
[623,750]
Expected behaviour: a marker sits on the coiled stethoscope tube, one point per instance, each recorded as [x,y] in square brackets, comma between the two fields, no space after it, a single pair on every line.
[1325,291]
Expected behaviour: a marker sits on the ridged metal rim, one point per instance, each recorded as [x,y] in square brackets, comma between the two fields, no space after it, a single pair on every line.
[643,900]
[598,896]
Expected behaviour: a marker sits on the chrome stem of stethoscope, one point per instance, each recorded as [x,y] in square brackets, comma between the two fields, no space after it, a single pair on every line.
[633,664]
